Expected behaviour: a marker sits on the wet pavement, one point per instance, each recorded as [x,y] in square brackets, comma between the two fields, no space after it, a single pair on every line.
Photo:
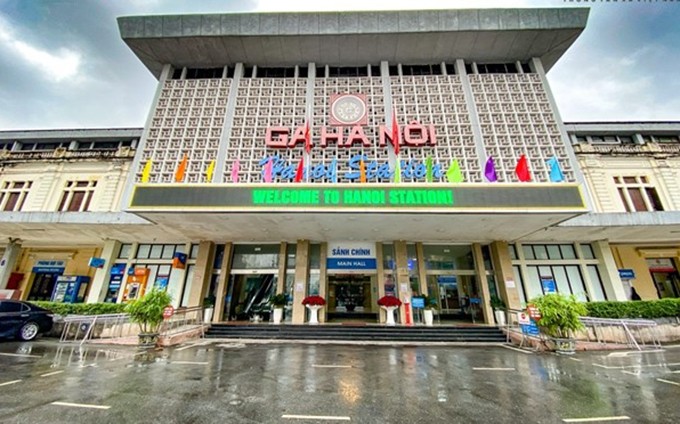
[217,382]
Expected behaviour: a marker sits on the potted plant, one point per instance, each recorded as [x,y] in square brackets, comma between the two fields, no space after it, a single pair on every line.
[389,304]
[314,303]
[208,308]
[560,319]
[278,301]
[430,307]
[498,309]
[148,313]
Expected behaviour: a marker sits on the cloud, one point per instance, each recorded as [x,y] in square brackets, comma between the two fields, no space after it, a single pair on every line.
[64,64]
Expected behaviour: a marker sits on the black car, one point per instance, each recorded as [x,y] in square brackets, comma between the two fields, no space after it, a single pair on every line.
[23,320]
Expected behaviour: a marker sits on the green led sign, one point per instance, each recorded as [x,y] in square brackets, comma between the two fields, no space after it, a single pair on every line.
[352,197]
[329,197]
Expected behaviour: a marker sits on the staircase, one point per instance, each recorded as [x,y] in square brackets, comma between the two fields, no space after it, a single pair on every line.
[331,332]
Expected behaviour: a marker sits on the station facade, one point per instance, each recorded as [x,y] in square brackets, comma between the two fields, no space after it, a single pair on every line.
[354,155]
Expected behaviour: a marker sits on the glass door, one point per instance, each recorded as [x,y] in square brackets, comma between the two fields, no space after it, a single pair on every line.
[248,297]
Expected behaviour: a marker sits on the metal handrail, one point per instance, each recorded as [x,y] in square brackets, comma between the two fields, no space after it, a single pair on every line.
[183,318]
[90,322]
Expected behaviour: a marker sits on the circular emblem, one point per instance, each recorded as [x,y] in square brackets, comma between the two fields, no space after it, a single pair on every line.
[348,109]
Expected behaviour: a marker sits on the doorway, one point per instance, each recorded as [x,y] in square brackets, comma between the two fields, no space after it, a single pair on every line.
[248,297]
[350,298]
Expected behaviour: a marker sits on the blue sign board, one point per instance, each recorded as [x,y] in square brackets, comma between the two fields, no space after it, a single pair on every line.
[446,279]
[49,267]
[475,300]
[118,269]
[548,285]
[626,274]
[351,263]
[530,329]
[97,262]
[418,302]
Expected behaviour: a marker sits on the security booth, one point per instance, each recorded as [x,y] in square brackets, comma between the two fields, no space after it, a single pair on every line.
[70,288]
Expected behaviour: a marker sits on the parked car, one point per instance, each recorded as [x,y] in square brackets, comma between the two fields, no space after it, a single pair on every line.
[23,320]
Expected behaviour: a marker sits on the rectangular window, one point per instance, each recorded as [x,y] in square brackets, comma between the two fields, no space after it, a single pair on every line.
[13,195]
[637,194]
[389,260]
[124,251]
[587,251]
[143,251]
[77,196]
[597,293]
[520,284]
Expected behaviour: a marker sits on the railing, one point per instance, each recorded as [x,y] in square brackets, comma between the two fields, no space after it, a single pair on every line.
[81,328]
[638,334]
[184,319]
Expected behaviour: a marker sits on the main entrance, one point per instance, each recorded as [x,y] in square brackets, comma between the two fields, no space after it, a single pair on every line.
[351,298]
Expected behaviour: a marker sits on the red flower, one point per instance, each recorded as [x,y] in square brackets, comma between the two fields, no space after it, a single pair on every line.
[389,301]
[314,300]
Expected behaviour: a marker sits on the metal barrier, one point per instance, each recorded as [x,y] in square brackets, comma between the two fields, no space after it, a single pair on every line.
[81,328]
[184,319]
[635,333]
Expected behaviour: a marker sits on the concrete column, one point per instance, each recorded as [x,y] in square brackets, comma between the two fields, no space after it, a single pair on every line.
[323,281]
[380,268]
[281,280]
[202,273]
[422,275]
[222,281]
[609,272]
[403,281]
[505,277]
[100,282]
[9,261]
[301,281]
[485,306]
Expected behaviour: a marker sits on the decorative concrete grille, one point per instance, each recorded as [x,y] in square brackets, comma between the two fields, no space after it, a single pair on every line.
[438,100]
[261,103]
[516,118]
[188,120]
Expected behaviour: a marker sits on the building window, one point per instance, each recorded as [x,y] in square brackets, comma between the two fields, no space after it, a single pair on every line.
[77,196]
[638,194]
[497,68]
[421,69]
[13,195]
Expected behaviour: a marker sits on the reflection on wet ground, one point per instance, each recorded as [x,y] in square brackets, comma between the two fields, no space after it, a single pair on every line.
[234,382]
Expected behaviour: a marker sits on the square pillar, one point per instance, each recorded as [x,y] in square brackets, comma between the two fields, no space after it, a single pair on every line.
[222,281]
[323,281]
[422,274]
[9,261]
[301,281]
[281,280]
[403,281]
[505,277]
[485,306]
[100,282]
[380,269]
[202,273]
[609,272]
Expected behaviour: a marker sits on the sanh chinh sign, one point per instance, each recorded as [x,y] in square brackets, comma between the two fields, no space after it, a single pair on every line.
[350,256]
[440,197]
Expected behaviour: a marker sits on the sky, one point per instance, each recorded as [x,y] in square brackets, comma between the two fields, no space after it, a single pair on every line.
[64,65]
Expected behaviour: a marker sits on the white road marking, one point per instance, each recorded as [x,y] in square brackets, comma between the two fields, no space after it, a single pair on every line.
[492,369]
[52,373]
[315,417]
[620,367]
[675,372]
[633,352]
[595,419]
[189,346]
[188,363]
[20,355]
[577,360]
[81,405]
[631,373]
[7,383]
[518,349]
[658,379]
[331,366]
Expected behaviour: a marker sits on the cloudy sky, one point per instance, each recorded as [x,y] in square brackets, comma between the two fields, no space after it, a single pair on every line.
[63,64]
